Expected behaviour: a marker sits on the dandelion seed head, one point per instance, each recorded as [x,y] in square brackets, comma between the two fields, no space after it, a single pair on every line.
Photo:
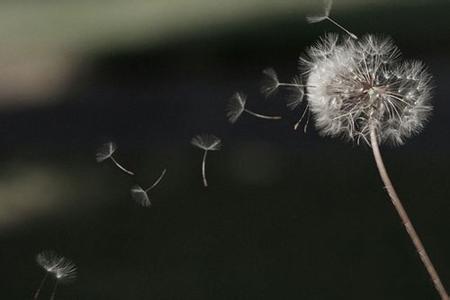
[325,14]
[62,268]
[140,196]
[236,106]
[270,82]
[105,151]
[207,142]
[47,260]
[354,85]
[66,271]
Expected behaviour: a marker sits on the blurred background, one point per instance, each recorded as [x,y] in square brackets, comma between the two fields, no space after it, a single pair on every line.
[288,214]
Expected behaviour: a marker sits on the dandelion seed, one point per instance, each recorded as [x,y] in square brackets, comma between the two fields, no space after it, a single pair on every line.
[236,107]
[326,16]
[296,88]
[63,270]
[361,90]
[106,151]
[271,84]
[206,142]
[140,195]
[296,99]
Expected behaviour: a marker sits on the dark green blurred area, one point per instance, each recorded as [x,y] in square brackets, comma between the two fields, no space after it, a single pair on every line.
[287,214]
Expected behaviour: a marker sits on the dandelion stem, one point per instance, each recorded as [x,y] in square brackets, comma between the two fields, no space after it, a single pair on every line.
[404,217]
[262,116]
[36,294]
[353,36]
[54,290]
[120,166]
[157,180]
[205,182]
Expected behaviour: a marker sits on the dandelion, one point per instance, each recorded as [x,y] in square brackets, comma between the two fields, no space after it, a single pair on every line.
[140,195]
[106,151]
[326,16]
[206,142]
[236,107]
[358,87]
[271,84]
[362,90]
[63,270]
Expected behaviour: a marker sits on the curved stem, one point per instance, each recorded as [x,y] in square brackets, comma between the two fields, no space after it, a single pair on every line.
[54,290]
[205,182]
[120,166]
[36,294]
[404,217]
[262,116]
[157,180]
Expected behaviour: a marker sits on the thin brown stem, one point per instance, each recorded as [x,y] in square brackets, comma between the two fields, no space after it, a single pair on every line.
[404,217]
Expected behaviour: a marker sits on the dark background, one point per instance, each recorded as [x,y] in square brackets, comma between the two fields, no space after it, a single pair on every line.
[288,215]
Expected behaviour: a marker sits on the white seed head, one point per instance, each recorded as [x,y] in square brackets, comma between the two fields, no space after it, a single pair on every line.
[354,85]
[140,196]
[105,151]
[236,107]
[207,142]
[47,260]
[60,267]
[270,82]
[325,13]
